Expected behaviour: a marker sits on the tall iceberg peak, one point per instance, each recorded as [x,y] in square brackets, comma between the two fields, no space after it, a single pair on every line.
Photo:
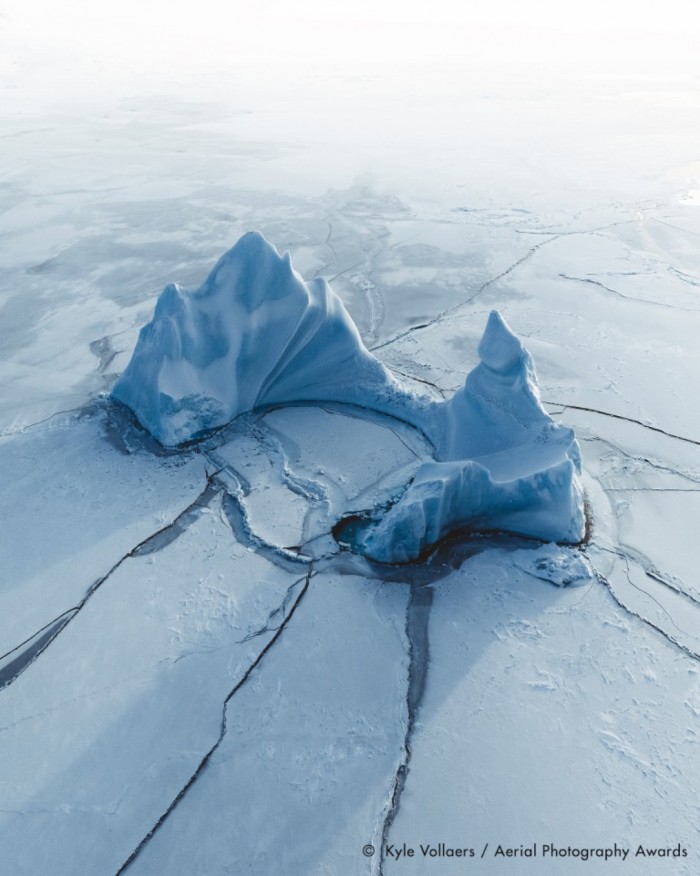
[256,334]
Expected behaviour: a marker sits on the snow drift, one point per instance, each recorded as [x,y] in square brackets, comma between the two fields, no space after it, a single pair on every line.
[256,334]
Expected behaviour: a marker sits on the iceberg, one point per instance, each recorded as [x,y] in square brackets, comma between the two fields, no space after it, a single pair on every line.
[256,334]
[502,462]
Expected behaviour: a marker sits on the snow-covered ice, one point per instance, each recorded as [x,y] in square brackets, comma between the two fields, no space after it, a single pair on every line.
[196,674]
[200,608]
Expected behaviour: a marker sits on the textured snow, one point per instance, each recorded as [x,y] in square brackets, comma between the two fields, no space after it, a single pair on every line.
[130,668]
[256,335]
[253,791]
[526,675]
[49,563]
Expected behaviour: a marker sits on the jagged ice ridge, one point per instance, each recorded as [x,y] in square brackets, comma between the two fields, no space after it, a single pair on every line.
[256,334]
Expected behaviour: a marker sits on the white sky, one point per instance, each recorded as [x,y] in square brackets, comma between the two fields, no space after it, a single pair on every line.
[166,35]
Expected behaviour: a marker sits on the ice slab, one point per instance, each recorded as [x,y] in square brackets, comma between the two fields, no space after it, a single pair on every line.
[314,739]
[276,507]
[72,506]
[115,717]
[292,473]
[527,684]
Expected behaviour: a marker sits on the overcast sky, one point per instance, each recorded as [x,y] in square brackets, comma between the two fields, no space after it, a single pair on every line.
[362,30]
[153,38]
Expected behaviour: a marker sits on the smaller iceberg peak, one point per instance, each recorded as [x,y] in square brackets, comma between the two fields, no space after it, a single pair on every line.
[498,407]
[499,349]
[170,301]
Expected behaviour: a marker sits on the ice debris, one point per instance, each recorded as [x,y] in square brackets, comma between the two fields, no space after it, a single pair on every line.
[256,334]
[558,565]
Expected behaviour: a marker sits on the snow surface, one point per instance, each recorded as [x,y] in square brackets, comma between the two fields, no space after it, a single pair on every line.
[197,677]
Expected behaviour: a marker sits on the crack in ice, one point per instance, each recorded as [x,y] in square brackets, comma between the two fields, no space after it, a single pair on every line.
[222,731]
[628,554]
[154,542]
[649,463]
[630,611]
[629,297]
[460,304]
[430,383]
[417,624]
[644,425]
